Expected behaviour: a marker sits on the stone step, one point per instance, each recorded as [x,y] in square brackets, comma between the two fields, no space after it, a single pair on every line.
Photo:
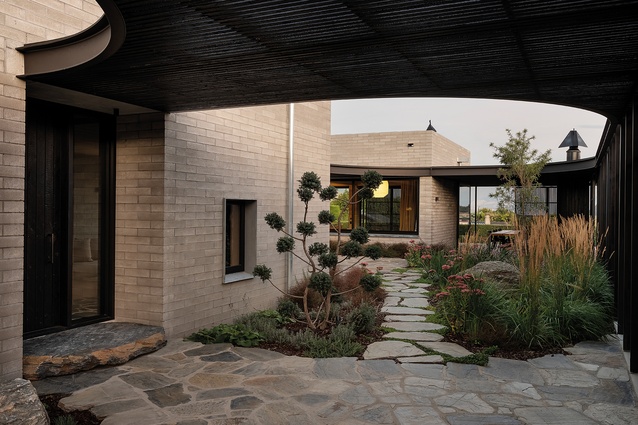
[87,347]
[415,302]
[414,326]
[404,318]
[391,349]
[448,348]
[404,310]
[405,294]
[434,358]
[415,336]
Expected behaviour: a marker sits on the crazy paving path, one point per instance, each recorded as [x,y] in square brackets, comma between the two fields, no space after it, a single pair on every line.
[412,340]
[186,383]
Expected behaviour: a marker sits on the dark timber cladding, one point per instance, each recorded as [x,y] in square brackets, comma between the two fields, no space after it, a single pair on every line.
[174,56]
[617,207]
[202,54]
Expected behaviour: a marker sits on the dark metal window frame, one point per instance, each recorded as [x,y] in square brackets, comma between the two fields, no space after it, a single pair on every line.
[242,235]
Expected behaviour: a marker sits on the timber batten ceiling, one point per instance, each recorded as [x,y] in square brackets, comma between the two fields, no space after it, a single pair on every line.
[203,54]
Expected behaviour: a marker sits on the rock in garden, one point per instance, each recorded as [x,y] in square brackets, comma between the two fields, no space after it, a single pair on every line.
[497,271]
[20,405]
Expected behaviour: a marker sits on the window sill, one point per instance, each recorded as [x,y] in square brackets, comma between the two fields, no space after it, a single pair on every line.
[237,277]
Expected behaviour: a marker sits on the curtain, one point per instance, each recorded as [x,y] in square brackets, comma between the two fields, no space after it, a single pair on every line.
[409,200]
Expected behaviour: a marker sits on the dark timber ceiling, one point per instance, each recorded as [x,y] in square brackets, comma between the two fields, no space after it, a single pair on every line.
[202,54]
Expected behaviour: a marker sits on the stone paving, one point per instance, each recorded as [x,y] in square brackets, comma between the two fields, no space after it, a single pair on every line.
[400,381]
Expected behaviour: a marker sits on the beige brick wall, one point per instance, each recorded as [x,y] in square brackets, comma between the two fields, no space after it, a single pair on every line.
[312,153]
[140,227]
[174,174]
[21,22]
[429,148]
[437,222]
[443,212]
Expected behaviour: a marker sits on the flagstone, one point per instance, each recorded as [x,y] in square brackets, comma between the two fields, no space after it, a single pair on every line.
[405,295]
[403,310]
[619,374]
[552,415]
[467,402]
[570,378]
[414,336]
[414,326]
[421,359]
[414,290]
[448,348]
[390,349]
[415,302]
[404,318]
[391,302]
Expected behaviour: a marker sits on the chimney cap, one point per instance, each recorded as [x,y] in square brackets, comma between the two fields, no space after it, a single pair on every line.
[573,140]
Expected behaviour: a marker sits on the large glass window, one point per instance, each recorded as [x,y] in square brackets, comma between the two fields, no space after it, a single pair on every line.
[544,202]
[393,209]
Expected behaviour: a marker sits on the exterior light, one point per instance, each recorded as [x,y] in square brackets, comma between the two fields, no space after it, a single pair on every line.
[382,190]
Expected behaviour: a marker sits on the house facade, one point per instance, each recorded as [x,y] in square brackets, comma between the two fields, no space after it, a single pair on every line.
[412,206]
[117,204]
[137,215]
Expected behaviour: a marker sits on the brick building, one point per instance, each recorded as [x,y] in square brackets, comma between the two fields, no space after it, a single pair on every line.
[136,215]
[413,206]
[115,203]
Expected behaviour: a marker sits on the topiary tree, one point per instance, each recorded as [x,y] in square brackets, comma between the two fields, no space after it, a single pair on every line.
[320,263]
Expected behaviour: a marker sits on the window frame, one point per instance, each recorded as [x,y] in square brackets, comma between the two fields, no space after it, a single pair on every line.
[357,214]
[247,239]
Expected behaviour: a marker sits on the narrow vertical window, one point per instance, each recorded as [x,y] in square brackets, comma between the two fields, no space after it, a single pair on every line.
[235,236]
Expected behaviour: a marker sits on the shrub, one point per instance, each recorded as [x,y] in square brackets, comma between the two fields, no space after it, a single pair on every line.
[470,307]
[296,292]
[288,309]
[438,262]
[347,284]
[362,319]
[340,343]
[565,295]
[236,334]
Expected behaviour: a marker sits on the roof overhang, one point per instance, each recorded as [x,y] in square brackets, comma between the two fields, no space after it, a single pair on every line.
[478,175]
[201,54]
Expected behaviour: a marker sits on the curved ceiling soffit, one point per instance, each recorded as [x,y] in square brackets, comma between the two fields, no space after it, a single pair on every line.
[92,45]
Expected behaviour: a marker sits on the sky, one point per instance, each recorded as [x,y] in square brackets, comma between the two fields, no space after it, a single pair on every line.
[472,123]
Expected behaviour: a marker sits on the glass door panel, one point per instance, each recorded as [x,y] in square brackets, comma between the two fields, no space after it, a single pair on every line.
[85,284]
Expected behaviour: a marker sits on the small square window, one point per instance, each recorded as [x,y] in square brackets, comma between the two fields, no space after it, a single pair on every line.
[239,237]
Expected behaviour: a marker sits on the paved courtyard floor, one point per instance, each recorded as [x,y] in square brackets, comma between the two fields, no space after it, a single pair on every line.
[397,382]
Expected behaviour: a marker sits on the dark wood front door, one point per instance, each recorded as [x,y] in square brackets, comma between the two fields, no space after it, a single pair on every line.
[68,255]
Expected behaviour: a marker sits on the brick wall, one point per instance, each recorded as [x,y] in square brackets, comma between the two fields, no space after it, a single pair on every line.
[429,148]
[444,212]
[312,153]
[174,174]
[437,218]
[21,22]
[140,227]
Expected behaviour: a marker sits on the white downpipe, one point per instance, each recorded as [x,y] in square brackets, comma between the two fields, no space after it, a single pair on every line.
[291,189]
